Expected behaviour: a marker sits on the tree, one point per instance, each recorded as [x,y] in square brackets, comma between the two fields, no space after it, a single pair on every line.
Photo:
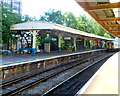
[95,28]
[53,17]
[70,20]
[91,26]
[81,23]
[27,18]
[8,18]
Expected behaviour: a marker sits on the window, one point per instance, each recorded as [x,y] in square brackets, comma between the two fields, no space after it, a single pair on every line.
[8,2]
[16,5]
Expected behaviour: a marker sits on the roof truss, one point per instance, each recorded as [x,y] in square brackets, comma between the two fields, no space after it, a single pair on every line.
[104,6]
[110,19]
[107,14]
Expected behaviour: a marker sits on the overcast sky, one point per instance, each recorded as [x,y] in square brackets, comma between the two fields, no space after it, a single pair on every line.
[38,7]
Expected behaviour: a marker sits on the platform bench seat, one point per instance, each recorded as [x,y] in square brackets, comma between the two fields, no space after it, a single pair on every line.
[29,49]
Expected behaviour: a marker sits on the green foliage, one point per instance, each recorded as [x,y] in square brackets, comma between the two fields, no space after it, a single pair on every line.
[53,17]
[69,45]
[82,23]
[0,19]
[62,43]
[68,19]
[89,25]
[106,35]
[44,38]
[27,18]
[8,18]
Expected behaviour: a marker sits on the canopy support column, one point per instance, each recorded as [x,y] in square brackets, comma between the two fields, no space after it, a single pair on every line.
[106,44]
[93,47]
[103,44]
[34,39]
[59,43]
[99,44]
[85,45]
[74,43]
[34,42]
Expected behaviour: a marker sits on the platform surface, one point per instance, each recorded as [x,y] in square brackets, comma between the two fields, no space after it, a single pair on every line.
[12,58]
[105,80]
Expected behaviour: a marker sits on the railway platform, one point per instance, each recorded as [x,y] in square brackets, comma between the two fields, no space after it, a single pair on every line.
[26,63]
[105,80]
[15,58]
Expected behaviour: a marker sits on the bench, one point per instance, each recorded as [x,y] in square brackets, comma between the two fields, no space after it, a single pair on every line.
[29,49]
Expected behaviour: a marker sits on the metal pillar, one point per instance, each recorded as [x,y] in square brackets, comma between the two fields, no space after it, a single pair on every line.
[103,44]
[74,43]
[106,44]
[99,44]
[34,39]
[18,44]
[84,43]
[88,43]
[93,44]
[59,43]
[34,42]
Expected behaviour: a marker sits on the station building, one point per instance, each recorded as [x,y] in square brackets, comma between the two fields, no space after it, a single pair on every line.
[28,32]
[105,80]
[15,4]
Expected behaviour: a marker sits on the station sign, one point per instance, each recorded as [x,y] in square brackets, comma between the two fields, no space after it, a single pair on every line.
[78,40]
[54,39]
[67,38]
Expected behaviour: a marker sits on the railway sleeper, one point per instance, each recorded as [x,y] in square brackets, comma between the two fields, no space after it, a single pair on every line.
[39,71]
[43,78]
[81,61]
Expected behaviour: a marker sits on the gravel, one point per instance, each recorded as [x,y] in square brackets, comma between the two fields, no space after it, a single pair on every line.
[53,81]
[48,84]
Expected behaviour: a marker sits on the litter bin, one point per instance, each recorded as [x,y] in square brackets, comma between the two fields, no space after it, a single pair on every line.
[47,47]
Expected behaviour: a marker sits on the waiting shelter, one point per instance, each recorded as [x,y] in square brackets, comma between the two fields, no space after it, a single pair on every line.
[37,27]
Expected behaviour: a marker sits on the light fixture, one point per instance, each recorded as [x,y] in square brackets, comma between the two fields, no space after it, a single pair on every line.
[114,1]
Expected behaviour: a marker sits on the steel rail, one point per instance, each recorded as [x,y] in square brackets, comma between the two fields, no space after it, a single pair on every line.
[4,83]
[73,76]
[47,77]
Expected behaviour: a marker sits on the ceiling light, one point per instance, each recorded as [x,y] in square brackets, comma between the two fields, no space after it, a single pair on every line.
[114,1]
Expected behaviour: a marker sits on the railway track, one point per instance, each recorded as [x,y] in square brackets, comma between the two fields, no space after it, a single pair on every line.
[36,72]
[73,84]
[16,85]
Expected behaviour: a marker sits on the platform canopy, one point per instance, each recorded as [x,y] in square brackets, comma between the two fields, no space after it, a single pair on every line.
[105,12]
[52,28]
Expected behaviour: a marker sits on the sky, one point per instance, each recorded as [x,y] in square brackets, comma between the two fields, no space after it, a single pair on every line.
[38,7]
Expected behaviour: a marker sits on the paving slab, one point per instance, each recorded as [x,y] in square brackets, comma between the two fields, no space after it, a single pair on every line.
[105,80]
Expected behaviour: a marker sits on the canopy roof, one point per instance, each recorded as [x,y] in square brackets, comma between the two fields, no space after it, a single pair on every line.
[58,29]
[105,12]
